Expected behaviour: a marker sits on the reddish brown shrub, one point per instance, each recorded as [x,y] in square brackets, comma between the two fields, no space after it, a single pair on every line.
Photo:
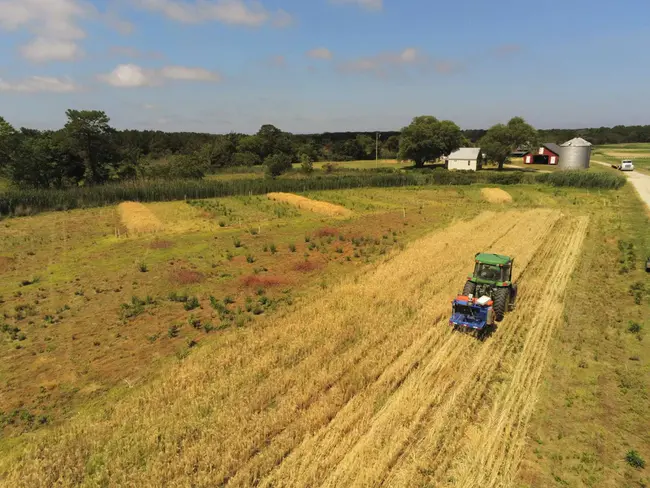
[186,276]
[326,232]
[158,244]
[306,266]
[5,263]
[262,281]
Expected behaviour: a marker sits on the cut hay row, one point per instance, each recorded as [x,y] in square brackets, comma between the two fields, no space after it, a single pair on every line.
[138,219]
[364,386]
[496,195]
[316,206]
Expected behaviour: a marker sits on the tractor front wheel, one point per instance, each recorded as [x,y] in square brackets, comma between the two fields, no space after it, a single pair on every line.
[501,299]
[469,289]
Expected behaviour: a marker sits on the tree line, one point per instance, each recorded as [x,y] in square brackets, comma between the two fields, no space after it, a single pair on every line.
[89,151]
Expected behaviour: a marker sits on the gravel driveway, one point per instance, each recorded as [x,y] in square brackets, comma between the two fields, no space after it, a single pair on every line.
[640,181]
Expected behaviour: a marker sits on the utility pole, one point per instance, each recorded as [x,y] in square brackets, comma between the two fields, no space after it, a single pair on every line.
[377,149]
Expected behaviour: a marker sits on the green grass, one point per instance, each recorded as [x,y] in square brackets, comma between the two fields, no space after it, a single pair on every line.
[592,407]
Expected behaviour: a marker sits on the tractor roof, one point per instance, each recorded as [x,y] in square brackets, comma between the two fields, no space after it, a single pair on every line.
[492,259]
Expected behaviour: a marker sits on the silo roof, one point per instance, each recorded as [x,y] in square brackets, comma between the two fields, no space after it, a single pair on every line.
[577,142]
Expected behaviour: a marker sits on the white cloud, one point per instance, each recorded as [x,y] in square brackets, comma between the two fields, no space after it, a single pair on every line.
[36,84]
[120,25]
[236,12]
[53,22]
[366,4]
[131,75]
[42,49]
[320,53]
[189,74]
[383,63]
[55,26]
[128,76]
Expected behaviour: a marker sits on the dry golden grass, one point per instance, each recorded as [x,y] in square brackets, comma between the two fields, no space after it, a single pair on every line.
[316,206]
[138,219]
[496,195]
[364,386]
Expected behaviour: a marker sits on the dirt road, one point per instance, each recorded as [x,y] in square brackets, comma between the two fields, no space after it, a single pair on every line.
[366,385]
[640,181]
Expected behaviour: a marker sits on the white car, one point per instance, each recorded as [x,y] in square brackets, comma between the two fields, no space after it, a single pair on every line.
[626,165]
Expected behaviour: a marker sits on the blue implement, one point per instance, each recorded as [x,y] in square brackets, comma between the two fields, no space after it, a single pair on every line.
[472,313]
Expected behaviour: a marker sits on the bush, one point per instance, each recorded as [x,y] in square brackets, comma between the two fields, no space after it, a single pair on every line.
[582,179]
[635,460]
[247,159]
[306,164]
[192,303]
[276,164]
[634,327]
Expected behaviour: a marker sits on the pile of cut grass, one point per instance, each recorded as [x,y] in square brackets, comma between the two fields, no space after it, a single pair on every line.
[496,195]
[316,206]
[138,219]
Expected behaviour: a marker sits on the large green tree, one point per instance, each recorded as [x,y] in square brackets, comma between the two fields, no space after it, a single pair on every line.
[502,139]
[89,137]
[8,142]
[427,139]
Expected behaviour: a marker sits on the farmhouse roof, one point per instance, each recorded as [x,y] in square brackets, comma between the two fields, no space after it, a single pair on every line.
[466,153]
[577,142]
[551,146]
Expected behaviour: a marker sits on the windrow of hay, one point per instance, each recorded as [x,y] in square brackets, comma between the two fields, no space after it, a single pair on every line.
[496,195]
[138,219]
[324,208]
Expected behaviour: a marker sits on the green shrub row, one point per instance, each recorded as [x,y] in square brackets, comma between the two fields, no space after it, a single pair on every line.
[25,202]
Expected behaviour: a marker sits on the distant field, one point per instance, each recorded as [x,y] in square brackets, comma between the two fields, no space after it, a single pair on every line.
[615,153]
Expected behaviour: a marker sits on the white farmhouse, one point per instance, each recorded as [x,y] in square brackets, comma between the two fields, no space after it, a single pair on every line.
[466,158]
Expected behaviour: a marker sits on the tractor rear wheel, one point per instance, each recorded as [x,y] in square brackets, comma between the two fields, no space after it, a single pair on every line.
[501,299]
[469,289]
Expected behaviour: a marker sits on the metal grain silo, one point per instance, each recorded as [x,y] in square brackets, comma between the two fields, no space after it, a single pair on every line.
[576,154]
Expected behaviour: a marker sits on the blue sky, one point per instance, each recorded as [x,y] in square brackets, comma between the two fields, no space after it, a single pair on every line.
[316,65]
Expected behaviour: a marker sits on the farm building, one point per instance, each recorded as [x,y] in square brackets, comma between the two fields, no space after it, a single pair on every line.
[548,153]
[466,158]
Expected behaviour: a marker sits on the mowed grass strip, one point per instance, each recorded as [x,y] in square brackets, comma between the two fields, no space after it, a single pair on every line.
[316,206]
[138,219]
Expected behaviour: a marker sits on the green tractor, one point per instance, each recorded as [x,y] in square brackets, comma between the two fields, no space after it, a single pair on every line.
[493,278]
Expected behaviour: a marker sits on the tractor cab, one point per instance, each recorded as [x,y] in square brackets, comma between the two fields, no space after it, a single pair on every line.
[492,268]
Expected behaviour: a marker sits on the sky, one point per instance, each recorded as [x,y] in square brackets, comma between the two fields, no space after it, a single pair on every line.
[324,65]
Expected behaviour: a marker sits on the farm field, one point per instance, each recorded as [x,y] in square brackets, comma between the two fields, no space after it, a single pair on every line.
[244,341]
[615,153]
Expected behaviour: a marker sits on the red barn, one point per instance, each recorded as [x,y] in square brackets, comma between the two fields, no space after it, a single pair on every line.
[548,153]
